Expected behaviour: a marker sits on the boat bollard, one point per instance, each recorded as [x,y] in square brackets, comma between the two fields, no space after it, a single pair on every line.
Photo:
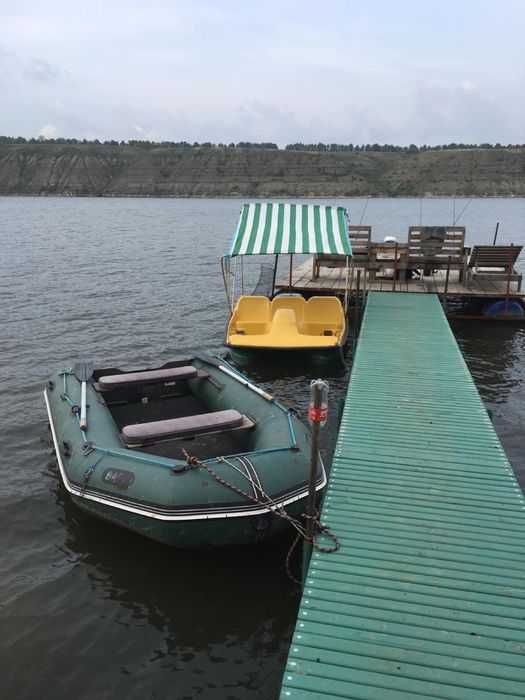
[317,417]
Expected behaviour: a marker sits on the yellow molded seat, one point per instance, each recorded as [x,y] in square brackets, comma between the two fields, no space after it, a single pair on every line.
[324,315]
[251,316]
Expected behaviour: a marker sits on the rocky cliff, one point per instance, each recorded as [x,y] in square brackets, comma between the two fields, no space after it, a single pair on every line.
[106,170]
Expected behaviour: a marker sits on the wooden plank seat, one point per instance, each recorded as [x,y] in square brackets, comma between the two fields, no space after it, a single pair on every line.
[360,237]
[437,248]
[495,262]
[152,376]
[155,431]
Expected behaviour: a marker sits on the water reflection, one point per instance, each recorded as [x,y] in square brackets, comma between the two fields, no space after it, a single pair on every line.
[222,617]
[493,351]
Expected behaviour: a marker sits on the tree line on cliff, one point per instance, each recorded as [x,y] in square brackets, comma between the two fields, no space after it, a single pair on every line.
[264,146]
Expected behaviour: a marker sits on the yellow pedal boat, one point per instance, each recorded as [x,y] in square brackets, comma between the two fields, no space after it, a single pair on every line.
[264,322]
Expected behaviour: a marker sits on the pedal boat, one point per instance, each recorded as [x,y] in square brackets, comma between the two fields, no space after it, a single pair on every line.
[270,321]
[191,454]
[288,323]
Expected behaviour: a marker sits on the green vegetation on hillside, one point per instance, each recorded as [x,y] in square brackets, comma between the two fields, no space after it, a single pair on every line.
[138,168]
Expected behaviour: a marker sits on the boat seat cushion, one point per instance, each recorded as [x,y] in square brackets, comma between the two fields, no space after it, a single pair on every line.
[153,376]
[141,433]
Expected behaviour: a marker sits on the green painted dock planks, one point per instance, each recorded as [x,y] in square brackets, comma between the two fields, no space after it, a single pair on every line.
[426,597]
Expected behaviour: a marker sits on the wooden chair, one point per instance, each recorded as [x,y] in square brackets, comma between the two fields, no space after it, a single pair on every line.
[360,237]
[437,247]
[495,262]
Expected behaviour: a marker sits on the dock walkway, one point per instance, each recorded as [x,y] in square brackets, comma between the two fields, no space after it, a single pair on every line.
[426,596]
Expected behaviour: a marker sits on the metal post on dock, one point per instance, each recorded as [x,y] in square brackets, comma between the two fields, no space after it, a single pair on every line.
[495,233]
[509,275]
[395,269]
[317,416]
[445,293]
[357,302]
[358,291]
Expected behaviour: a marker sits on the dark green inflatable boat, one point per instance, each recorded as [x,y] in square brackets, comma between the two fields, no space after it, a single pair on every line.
[191,454]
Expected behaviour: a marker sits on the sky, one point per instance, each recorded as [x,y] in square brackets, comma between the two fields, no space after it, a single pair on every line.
[386,71]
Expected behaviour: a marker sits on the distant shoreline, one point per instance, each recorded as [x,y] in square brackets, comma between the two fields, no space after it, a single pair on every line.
[262,198]
[166,172]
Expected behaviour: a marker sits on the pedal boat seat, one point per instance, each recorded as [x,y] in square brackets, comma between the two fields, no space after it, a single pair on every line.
[153,376]
[216,421]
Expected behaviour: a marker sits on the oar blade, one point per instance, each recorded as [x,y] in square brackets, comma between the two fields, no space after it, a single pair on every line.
[83,371]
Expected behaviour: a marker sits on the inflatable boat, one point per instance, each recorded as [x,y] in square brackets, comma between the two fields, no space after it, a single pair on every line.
[191,454]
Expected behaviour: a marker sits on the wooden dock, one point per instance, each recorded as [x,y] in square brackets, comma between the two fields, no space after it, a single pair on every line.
[426,596]
[333,281]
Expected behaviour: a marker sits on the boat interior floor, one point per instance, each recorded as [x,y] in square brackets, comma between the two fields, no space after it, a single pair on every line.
[203,446]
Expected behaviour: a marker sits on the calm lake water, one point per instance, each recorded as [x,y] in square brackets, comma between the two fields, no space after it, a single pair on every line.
[91,611]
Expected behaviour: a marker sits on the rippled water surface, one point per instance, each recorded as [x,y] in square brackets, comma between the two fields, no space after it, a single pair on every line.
[91,611]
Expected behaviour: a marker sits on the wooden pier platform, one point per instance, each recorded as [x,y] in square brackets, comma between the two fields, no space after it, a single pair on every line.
[333,281]
[426,596]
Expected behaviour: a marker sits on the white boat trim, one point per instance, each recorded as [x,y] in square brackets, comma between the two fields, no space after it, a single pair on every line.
[136,510]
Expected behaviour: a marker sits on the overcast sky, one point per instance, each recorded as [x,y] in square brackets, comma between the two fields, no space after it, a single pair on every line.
[394,71]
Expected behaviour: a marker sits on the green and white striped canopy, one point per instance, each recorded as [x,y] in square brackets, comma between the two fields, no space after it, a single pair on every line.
[269,228]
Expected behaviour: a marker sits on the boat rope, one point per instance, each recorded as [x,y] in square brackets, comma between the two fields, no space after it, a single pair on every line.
[87,475]
[273,507]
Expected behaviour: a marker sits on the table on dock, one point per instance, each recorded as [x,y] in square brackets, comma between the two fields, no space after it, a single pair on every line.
[426,596]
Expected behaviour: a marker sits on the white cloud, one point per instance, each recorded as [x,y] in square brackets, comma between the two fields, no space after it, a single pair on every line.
[48,131]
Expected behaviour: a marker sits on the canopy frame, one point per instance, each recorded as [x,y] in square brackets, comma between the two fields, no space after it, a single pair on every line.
[277,228]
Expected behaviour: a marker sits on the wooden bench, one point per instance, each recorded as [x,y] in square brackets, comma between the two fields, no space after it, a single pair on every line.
[495,262]
[360,238]
[437,247]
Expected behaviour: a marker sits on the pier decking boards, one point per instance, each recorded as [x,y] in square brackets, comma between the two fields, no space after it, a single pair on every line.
[333,280]
[426,596]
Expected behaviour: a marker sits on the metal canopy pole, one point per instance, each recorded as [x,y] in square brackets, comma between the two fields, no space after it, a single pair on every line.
[225,269]
[346,283]
[274,275]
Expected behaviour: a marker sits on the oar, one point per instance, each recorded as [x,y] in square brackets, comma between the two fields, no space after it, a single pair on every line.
[83,372]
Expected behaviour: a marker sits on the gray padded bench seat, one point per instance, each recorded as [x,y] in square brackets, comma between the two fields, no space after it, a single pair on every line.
[142,433]
[152,376]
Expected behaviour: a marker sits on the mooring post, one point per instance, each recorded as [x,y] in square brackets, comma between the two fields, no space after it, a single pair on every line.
[317,416]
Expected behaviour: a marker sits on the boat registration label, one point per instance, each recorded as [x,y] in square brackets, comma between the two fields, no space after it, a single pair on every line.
[121,478]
